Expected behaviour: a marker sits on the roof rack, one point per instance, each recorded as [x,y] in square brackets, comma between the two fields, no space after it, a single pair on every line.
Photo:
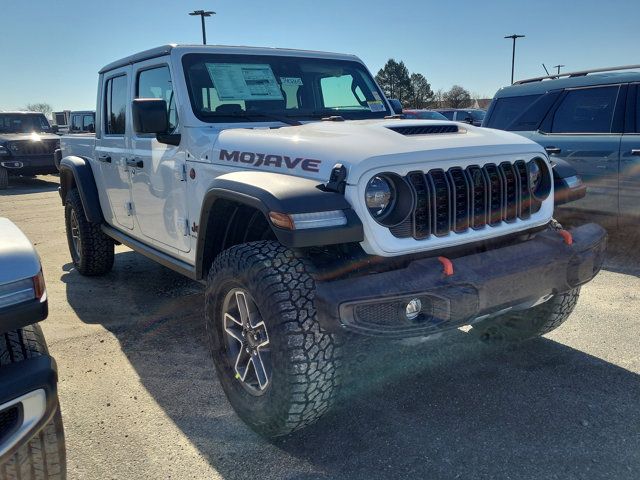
[580,73]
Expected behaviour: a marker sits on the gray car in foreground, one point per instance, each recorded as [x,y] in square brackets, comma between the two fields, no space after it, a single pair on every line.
[32,442]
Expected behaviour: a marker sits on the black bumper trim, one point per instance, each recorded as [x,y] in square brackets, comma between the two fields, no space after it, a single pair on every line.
[22,314]
[482,283]
[18,379]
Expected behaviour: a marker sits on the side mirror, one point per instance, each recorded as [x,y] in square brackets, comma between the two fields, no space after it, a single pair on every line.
[396,105]
[150,115]
[468,120]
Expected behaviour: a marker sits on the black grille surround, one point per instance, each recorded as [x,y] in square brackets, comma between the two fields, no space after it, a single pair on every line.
[460,199]
[28,147]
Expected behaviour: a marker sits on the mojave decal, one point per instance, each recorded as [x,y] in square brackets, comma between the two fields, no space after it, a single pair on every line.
[268,160]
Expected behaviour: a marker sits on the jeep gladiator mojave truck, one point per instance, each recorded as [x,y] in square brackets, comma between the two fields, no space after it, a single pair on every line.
[32,442]
[282,180]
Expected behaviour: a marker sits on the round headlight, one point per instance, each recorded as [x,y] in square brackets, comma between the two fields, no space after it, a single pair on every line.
[539,179]
[379,196]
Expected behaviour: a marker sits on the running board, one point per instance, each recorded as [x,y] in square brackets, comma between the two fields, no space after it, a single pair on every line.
[151,253]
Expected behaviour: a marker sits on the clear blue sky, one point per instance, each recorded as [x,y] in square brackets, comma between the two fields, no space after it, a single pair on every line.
[50,51]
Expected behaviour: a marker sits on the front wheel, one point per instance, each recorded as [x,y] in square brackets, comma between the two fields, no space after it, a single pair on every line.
[531,323]
[277,366]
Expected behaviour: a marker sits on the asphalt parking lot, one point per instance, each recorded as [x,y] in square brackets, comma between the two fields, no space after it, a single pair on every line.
[140,399]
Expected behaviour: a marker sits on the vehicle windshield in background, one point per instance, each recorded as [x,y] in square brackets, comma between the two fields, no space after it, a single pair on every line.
[10,123]
[424,115]
[477,115]
[507,109]
[240,88]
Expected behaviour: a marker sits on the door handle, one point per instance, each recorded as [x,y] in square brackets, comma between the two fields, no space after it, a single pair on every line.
[635,152]
[104,158]
[134,162]
[551,150]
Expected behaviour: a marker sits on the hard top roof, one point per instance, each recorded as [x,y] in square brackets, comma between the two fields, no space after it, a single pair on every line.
[239,50]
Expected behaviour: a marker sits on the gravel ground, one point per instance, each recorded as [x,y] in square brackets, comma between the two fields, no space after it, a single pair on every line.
[140,398]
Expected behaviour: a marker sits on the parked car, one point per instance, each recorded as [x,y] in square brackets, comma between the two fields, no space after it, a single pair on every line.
[82,121]
[588,119]
[472,116]
[61,121]
[314,215]
[27,145]
[32,442]
[423,114]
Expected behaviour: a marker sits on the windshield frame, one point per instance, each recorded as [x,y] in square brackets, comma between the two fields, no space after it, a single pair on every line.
[34,122]
[296,114]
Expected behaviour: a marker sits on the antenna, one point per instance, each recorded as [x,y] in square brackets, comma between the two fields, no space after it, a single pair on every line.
[545,69]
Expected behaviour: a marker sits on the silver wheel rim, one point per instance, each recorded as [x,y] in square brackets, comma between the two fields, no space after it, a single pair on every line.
[247,341]
[75,234]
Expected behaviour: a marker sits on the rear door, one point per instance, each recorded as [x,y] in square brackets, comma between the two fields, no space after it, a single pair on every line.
[158,182]
[112,145]
[630,157]
[585,128]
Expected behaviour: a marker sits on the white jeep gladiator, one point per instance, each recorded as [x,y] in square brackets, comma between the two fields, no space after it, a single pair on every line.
[285,182]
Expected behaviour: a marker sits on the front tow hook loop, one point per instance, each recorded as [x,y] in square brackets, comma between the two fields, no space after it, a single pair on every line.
[566,235]
[447,266]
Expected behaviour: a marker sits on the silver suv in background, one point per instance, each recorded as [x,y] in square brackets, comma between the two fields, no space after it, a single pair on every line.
[591,120]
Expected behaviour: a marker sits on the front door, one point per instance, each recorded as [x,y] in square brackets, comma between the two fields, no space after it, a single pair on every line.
[158,181]
[112,147]
[583,132]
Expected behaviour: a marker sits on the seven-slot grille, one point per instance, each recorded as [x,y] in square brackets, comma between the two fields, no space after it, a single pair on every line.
[28,147]
[459,199]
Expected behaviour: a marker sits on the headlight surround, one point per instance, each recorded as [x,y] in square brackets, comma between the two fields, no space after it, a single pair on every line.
[389,199]
[539,179]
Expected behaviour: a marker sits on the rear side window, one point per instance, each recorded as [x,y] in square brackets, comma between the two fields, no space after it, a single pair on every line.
[507,109]
[156,83]
[587,110]
[76,123]
[449,115]
[88,123]
[115,105]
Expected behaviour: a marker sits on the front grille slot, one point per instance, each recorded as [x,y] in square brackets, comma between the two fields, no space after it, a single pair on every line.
[455,200]
[28,147]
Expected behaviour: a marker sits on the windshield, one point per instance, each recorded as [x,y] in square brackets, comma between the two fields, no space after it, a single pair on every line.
[21,123]
[225,88]
[477,115]
[507,109]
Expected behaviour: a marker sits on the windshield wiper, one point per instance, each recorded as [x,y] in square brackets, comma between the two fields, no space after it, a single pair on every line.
[249,115]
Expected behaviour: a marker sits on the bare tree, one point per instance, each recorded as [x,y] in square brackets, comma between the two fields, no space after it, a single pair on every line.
[457,97]
[437,100]
[39,107]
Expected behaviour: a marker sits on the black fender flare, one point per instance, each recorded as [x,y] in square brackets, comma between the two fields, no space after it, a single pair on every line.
[76,172]
[277,192]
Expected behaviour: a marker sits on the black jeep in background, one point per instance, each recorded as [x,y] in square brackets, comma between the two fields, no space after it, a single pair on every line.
[27,145]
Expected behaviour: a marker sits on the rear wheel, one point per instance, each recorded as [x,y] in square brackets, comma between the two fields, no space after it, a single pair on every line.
[531,323]
[42,457]
[277,366]
[4,178]
[91,250]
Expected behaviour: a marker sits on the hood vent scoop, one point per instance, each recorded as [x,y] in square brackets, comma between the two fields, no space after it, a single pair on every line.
[427,129]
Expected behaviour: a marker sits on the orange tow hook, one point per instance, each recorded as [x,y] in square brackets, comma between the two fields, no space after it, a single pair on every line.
[447,266]
[568,238]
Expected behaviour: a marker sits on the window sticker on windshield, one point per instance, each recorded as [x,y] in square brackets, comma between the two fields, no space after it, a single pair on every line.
[240,81]
[376,106]
[291,81]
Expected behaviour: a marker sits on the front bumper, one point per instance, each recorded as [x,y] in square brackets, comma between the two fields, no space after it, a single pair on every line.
[28,400]
[29,164]
[482,284]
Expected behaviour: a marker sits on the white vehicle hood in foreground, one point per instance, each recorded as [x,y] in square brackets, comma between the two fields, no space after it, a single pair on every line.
[362,146]
[18,258]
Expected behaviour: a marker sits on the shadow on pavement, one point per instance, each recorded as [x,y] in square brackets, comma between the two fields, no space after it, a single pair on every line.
[23,185]
[446,408]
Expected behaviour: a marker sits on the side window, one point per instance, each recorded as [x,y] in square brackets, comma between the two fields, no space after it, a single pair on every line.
[156,83]
[586,110]
[76,123]
[337,93]
[449,115]
[88,123]
[115,105]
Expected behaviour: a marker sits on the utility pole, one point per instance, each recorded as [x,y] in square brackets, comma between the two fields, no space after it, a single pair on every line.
[514,37]
[558,67]
[202,14]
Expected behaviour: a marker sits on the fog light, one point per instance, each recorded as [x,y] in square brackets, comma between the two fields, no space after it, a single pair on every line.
[413,309]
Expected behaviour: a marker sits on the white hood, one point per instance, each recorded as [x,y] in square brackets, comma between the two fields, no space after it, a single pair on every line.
[311,150]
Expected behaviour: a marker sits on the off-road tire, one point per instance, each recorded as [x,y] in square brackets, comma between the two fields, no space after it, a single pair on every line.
[4,178]
[305,359]
[96,249]
[531,323]
[44,456]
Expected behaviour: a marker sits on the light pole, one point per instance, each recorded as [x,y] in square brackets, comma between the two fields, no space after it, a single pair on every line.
[514,37]
[202,14]
[558,67]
